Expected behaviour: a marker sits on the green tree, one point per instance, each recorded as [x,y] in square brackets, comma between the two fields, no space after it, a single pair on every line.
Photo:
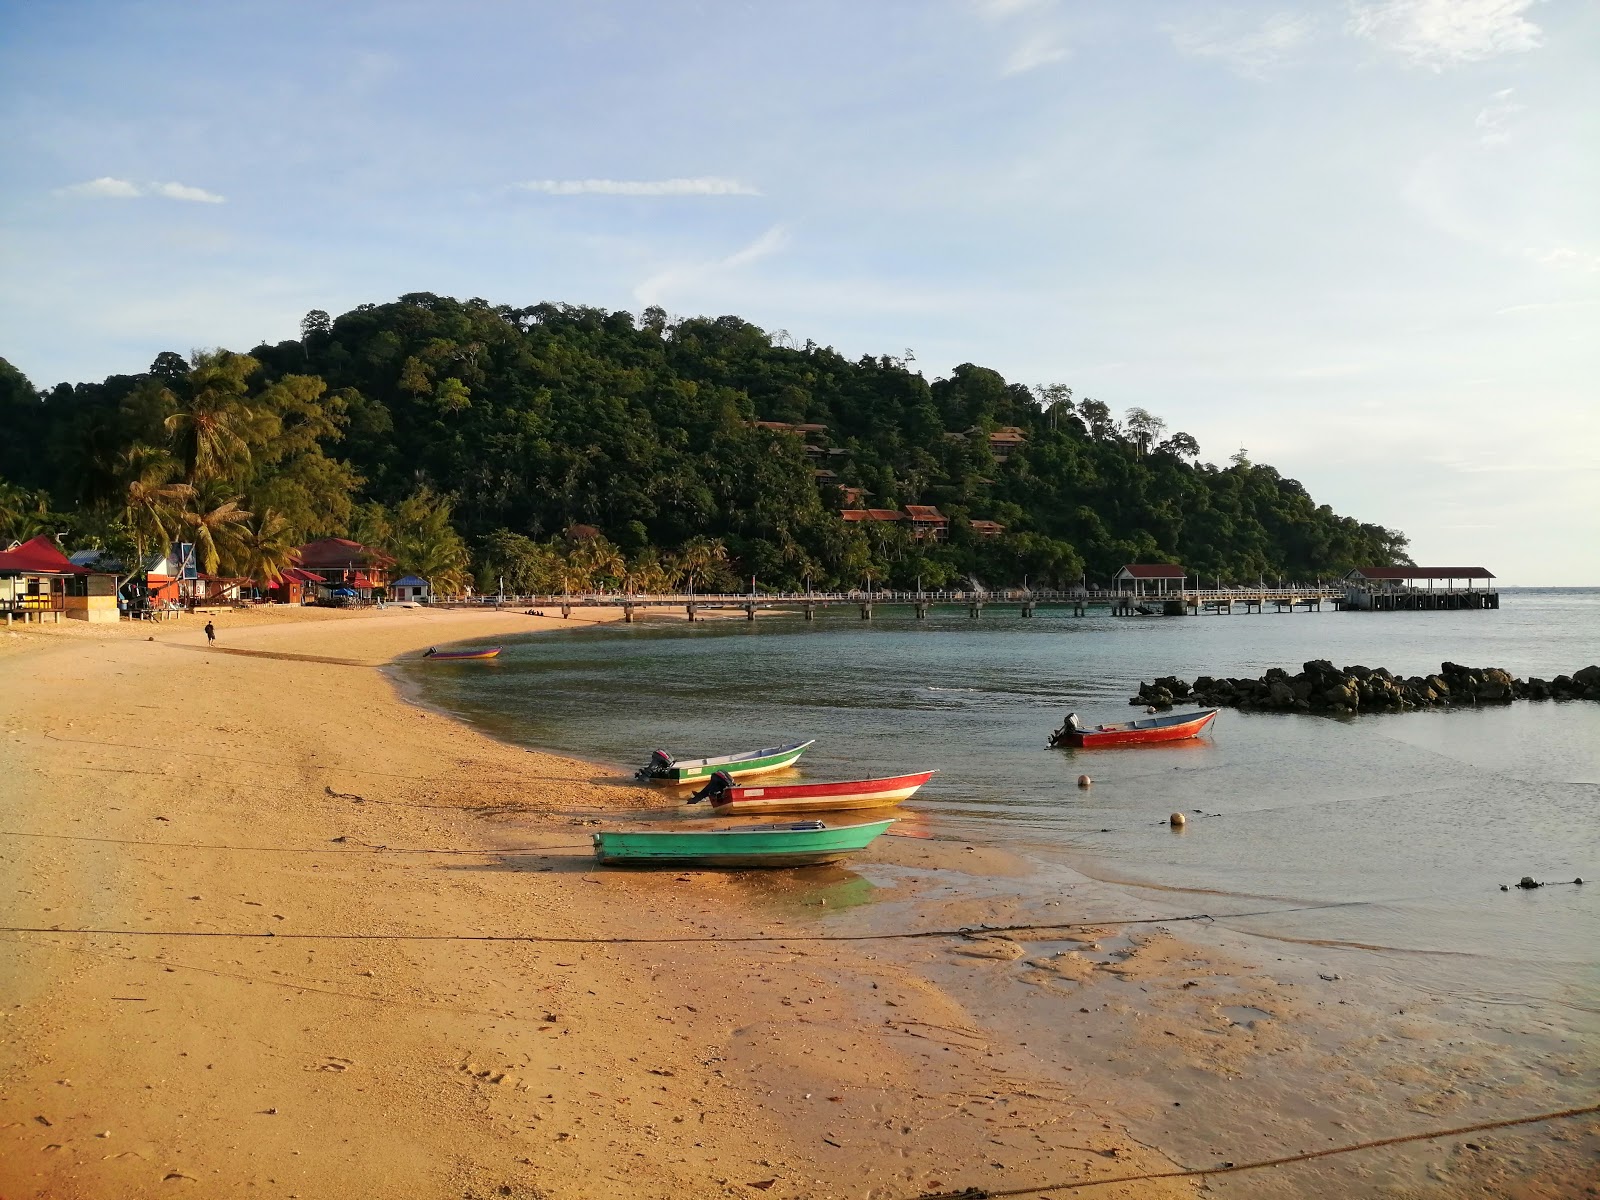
[209,426]
[215,522]
[262,548]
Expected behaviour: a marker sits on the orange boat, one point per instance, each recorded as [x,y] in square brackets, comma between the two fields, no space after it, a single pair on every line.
[1169,727]
[729,798]
[460,655]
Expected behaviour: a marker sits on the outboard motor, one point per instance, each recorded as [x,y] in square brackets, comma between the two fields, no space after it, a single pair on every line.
[660,763]
[1070,725]
[719,783]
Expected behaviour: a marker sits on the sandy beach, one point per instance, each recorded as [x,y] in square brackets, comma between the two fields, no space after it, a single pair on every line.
[347,946]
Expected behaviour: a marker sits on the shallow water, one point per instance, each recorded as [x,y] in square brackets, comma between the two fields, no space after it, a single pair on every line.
[1392,832]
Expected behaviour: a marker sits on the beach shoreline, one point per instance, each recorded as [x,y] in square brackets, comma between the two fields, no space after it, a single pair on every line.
[300,880]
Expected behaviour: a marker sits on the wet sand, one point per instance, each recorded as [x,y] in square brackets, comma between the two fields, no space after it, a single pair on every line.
[423,987]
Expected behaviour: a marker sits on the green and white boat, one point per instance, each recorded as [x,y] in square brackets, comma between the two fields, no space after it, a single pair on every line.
[663,768]
[792,844]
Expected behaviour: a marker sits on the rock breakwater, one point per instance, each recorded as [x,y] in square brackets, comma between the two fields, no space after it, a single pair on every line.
[1320,687]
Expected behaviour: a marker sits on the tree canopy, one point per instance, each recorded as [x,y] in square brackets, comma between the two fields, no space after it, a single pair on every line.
[559,440]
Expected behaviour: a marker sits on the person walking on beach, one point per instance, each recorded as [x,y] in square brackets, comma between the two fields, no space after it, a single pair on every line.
[211,633]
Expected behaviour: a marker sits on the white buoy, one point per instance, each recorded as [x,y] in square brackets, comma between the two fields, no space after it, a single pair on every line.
[1178,820]
[1084,781]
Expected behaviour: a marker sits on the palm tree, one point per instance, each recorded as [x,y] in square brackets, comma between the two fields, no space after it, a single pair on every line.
[209,428]
[263,549]
[425,543]
[699,556]
[215,520]
[23,514]
[152,504]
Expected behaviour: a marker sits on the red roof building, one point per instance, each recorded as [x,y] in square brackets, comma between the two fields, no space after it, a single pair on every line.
[37,579]
[927,522]
[857,515]
[343,564]
[987,529]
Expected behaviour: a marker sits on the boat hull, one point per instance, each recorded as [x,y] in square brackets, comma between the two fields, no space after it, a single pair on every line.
[461,655]
[820,797]
[759,763]
[1140,733]
[806,844]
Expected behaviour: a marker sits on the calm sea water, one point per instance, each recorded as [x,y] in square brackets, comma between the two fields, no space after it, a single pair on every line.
[1415,818]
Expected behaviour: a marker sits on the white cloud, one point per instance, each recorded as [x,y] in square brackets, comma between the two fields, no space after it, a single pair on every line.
[706,185]
[118,189]
[653,290]
[1250,50]
[122,189]
[1039,50]
[1442,33]
[182,191]
[1494,117]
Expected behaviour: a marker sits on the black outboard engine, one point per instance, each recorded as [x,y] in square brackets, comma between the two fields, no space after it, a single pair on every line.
[719,783]
[660,763]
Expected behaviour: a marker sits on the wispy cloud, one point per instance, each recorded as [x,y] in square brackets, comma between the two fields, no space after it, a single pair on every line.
[1251,49]
[121,189]
[116,189]
[1444,33]
[1040,50]
[654,289]
[999,10]
[1495,116]
[182,191]
[705,185]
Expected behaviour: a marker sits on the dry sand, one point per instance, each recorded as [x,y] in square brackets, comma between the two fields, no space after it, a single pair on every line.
[363,1033]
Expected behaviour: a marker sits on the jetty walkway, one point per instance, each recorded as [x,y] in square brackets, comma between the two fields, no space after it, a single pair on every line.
[1080,602]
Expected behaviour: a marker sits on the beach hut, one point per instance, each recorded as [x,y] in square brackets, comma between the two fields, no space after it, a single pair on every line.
[411,588]
[295,586]
[38,581]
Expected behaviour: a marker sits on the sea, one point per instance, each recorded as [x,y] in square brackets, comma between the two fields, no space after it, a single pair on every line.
[1386,831]
[1358,873]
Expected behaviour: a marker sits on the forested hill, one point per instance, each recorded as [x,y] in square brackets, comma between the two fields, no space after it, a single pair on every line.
[397,422]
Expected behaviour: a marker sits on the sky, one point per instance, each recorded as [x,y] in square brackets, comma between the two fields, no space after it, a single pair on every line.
[1359,239]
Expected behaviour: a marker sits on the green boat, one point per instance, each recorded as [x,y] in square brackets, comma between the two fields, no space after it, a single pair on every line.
[663,768]
[792,844]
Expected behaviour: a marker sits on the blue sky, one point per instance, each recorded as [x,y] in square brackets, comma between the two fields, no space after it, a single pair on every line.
[1360,239]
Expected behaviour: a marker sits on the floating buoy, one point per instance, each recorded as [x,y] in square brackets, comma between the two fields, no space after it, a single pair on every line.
[1178,820]
[1084,781]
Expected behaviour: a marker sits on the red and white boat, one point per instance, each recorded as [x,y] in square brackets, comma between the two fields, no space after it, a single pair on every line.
[1168,727]
[729,798]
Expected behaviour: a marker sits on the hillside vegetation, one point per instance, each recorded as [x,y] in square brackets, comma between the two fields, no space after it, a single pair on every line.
[470,439]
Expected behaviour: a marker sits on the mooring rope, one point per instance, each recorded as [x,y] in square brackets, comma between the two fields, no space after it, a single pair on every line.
[978,1193]
[965,931]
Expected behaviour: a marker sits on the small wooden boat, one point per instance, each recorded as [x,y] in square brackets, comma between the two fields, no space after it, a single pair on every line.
[729,798]
[663,768]
[460,655]
[1167,727]
[796,844]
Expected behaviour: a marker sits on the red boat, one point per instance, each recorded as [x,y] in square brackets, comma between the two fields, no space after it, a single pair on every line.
[1168,727]
[728,797]
[460,655]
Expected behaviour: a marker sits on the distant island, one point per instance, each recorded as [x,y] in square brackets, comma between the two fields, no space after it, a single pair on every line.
[559,446]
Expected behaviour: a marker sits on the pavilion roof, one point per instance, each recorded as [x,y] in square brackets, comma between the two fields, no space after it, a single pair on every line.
[1423,572]
[1153,571]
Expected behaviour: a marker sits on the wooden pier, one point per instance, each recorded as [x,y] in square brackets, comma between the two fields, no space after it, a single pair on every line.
[1369,589]
[1025,602]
